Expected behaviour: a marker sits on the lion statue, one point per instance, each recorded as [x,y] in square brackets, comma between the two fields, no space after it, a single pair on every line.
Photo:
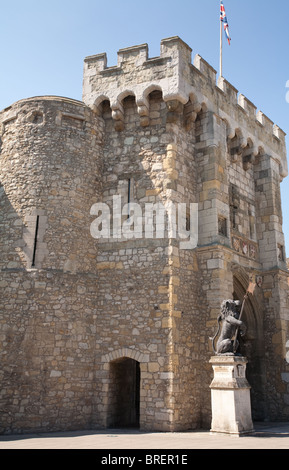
[229,319]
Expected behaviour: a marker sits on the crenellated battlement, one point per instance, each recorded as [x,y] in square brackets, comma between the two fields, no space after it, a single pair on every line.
[180,80]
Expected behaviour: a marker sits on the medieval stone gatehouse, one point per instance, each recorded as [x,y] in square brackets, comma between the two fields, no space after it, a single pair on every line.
[100,331]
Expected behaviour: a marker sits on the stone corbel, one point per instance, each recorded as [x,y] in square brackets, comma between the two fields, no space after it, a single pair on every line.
[143,111]
[247,162]
[249,156]
[243,142]
[238,154]
[175,110]
[255,151]
[118,117]
[230,133]
[239,145]
[191,113]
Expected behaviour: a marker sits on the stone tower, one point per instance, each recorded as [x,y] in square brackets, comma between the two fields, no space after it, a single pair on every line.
[50,174]
[100,331]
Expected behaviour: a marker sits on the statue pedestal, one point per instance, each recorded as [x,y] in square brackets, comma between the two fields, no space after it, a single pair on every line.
[230,396]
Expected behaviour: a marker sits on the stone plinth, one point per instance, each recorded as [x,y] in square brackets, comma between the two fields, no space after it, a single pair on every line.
[230,396]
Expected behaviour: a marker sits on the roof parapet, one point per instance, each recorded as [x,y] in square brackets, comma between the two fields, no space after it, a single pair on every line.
[206,69]
[176,44]
[264,121]
[247,105]
[174,73]
[98,60]
[138,54]
[278,132]
[228,89]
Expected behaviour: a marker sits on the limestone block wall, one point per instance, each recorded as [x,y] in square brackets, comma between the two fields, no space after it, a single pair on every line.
[241,232]
[101,330]
[275,289]
[146,303]
[50,175]
[249,246]
[47,351]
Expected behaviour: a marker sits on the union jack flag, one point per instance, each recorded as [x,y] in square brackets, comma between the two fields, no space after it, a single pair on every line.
[225,21]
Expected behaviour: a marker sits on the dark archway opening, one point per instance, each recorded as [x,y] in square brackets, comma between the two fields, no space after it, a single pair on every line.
[124,393]
[252,347]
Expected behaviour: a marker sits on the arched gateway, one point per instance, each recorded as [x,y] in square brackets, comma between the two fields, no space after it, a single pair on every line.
[252,345]
[124,393]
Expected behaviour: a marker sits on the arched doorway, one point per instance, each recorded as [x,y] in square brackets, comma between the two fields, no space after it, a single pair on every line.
[124,393]
[252,344]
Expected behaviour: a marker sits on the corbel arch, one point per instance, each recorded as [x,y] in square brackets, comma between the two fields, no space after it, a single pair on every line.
[236,143]
[118,109]
[250,153]
[147,91]
[124,94]
[97,106]
[143,103]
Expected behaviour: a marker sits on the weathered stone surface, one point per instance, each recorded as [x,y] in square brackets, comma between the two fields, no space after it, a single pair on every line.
[74,309]
[230,396]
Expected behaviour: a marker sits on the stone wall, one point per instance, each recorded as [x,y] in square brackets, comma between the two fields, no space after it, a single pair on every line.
[84,317]
[50,171]
[142,290]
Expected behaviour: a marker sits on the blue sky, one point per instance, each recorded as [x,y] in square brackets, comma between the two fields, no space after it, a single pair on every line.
[43,44]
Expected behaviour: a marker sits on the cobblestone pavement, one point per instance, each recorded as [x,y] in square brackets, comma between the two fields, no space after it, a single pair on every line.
[266,436]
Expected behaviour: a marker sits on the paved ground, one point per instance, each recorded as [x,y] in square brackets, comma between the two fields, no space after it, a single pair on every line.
[266,436]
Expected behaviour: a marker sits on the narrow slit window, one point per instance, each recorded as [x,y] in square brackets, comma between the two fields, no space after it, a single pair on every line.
[35,241]
[188,221]
[128,197]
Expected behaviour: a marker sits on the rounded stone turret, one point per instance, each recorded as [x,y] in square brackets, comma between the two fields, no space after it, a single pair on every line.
[50,166]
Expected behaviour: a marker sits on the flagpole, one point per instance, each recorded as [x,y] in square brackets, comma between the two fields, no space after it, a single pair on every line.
[221,49]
